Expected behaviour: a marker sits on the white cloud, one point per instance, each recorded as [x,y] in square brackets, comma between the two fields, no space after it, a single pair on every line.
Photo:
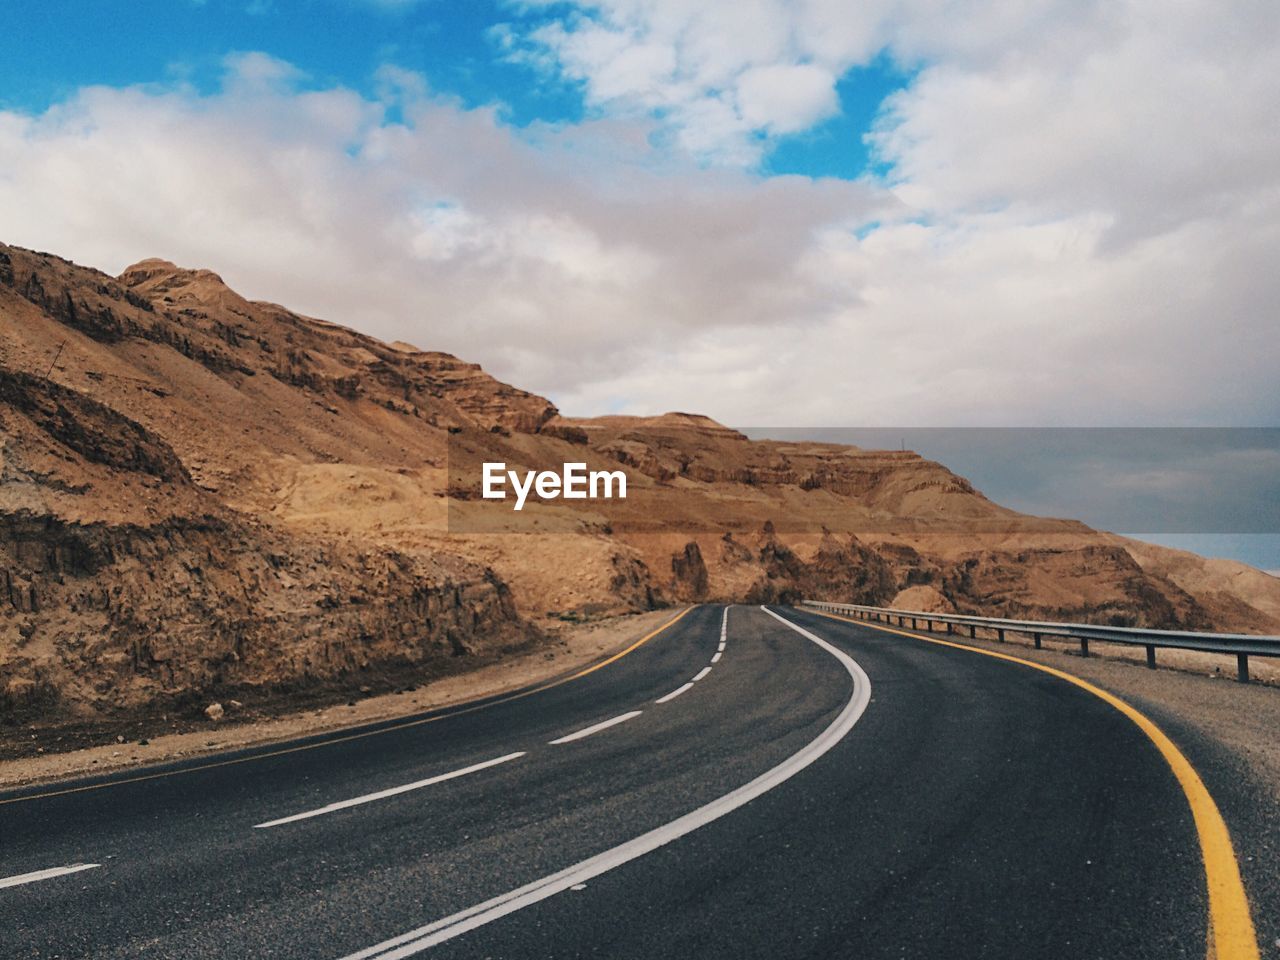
[551,257]
[786,98]
[1080,225]
[720,73]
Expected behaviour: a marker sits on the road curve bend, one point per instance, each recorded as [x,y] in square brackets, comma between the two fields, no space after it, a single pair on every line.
[729,788]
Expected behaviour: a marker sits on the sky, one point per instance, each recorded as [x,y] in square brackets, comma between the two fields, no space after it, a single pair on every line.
[1046,213]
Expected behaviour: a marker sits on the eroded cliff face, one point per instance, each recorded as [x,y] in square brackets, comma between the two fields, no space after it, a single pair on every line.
[205,492]
[121,616]
[125,585]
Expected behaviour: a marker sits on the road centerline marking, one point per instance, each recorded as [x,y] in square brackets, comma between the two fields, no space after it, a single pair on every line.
[389,792]
[423,938]
[1231,932]
[597,727]
[47,874]
[715,658]
[675,693]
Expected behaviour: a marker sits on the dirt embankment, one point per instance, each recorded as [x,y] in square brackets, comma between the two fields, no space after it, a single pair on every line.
[37,753]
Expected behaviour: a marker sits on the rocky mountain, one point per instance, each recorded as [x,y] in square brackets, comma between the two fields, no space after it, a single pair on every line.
[202,493]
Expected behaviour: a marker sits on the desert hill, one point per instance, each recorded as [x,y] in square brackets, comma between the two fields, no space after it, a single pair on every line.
[204,493]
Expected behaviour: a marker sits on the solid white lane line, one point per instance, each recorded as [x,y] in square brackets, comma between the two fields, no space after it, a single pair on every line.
[415,941]
[674,693]
[597,727]
[716,657]
[391,792]
[45,874]
[701,673]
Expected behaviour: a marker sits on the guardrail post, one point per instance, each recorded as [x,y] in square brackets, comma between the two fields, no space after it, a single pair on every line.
[1000,634]
[930,626]
[913,624]
[951,629]
[1036,638]
[1151,656]
[973,631]
[1084,646]
[1242,667]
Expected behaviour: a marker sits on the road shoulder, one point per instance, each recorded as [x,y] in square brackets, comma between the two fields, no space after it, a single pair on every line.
[577,646]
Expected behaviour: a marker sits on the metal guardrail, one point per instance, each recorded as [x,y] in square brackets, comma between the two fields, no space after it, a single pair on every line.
[1243,645]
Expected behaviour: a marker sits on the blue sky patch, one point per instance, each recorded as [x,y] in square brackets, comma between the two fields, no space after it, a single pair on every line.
[456,46]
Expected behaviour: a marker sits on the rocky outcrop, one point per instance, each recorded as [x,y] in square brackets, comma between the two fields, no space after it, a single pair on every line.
[1044,584]
[116,617]
[839,568]
[125,585]
[689,574]
[90,429]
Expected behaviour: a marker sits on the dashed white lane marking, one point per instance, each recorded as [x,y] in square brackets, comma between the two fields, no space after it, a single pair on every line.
[48,874]
[674,693]
[724,626]
[391,792]
[415,941]
[597,727]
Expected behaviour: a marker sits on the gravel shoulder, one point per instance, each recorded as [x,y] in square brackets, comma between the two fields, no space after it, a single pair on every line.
[575,645]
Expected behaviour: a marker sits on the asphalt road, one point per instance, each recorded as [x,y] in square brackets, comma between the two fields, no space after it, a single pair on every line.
[846,794]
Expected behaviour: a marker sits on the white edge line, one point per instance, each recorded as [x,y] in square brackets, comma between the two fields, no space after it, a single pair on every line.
[596,727]
[390,792]
[674,693]
[701,673]
[415,941]
[48,874]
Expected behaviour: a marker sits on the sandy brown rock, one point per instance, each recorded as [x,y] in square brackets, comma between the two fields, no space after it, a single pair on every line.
[206,494]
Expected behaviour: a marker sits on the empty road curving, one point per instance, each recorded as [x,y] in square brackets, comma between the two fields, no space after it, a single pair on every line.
[747,782]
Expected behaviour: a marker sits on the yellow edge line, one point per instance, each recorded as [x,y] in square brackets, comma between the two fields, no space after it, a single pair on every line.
[1231,933]
[355,736]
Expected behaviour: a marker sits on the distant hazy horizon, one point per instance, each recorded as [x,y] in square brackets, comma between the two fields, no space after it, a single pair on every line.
[1212,491]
